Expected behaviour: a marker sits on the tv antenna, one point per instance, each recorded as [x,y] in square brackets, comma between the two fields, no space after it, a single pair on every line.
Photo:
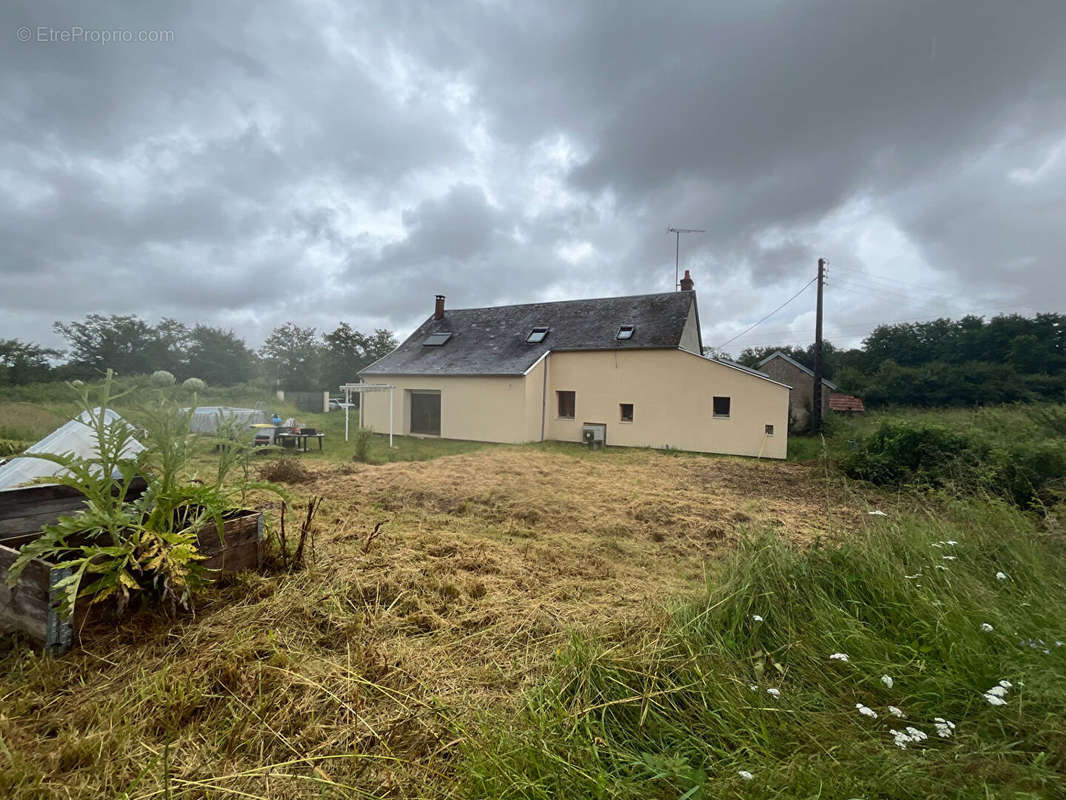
[677,247]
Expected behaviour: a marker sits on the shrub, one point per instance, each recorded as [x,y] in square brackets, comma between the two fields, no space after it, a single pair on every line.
[11,447]
[1002,456]
[363,438]
[162,378]
[194,384]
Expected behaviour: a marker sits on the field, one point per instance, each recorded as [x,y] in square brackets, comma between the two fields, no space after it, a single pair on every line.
[545,621]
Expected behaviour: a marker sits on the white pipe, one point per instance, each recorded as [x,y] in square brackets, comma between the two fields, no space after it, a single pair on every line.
[391,401]
[347,402]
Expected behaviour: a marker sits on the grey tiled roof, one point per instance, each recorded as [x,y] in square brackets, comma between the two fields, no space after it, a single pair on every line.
[492,341]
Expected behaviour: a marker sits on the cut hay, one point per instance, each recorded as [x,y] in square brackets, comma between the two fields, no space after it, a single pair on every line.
[364,669]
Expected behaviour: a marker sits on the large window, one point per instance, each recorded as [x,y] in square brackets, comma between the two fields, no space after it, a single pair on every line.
[425,413]
[567,404]
[626,412]
[721,406]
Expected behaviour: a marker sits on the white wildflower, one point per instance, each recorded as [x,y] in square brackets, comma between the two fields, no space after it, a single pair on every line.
[773,692]
[1058,643]
[917,735]
[895,711]
[994,700]
[998,691]
[986,627]
[911,736]
[753,687]
[887,681]
[1001,576]
[866,711]
[744,774]
[952,542]
[839,657]
[756,617]
[944,728]
[1006,684]
[900,739]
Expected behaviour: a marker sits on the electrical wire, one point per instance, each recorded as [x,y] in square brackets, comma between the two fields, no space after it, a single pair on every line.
[761,321]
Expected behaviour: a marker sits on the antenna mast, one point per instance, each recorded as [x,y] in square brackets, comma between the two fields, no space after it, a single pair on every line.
[677,247]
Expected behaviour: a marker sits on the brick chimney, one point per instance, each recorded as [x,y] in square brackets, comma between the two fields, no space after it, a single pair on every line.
[686,282]
[438,309]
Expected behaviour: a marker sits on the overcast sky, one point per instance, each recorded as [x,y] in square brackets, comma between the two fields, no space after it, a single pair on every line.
[250,164]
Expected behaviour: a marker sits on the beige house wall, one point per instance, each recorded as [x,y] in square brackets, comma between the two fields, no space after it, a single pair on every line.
[671,392]
[485,409]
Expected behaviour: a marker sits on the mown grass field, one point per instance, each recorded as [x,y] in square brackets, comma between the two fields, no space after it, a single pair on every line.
[543,621]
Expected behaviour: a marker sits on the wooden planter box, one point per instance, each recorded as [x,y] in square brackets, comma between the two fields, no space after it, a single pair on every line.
[30,605]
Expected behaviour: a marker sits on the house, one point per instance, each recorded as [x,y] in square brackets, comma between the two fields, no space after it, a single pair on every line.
[801,404]
[632,366]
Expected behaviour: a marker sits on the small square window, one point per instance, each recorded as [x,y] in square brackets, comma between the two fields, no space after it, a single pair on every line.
[537,335]
[721,406]
[625,332]
[567,404]
[626,410]
[769,430]
[437,339]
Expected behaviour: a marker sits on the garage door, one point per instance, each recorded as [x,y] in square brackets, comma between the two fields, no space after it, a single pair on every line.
[425,413]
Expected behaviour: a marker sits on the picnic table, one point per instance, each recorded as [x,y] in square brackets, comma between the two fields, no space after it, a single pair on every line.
[299,439]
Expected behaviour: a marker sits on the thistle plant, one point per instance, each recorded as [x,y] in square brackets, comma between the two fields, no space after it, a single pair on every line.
[117,546]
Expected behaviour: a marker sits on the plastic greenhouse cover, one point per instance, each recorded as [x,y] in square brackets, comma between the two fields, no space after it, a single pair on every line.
[205,419]
[74,437]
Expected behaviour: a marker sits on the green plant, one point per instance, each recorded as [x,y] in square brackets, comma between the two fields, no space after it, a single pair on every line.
[118,546]
[363,438]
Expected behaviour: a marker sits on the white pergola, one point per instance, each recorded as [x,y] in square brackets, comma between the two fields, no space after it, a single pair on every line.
[360,388]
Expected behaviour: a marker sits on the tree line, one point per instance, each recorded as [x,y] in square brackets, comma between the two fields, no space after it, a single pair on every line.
[292,357]
[964,362]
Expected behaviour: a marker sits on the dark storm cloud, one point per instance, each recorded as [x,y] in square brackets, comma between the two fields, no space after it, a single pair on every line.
[333,161]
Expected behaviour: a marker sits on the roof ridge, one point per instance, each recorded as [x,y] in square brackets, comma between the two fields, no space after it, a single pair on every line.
[565,302]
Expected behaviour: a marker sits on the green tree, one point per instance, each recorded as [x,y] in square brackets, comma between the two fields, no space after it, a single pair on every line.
[25,362]
[219,356]
[347,351]
[292,357]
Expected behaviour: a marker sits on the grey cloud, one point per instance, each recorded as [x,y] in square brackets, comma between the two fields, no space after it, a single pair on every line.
[368,156]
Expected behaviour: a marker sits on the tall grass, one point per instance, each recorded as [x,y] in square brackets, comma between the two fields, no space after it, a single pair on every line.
[681,710]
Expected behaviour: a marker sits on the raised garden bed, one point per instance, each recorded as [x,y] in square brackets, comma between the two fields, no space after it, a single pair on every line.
[30,605]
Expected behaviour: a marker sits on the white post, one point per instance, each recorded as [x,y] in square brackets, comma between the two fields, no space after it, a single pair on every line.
[347,402]
[390,417]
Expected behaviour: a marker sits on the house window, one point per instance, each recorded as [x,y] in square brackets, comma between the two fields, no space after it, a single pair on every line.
[567,404]
[537,335]
[721,406]
[437,339]
[625,332]
[626,411]
[769,430]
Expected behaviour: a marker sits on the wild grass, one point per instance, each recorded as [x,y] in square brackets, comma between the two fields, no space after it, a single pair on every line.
[682,708]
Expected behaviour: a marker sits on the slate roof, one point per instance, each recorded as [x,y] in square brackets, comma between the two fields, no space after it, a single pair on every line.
[797,365]
[492,341]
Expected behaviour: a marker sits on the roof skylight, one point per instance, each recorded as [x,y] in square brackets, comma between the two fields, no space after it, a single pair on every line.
[437,339]
[537,335]
[625,332]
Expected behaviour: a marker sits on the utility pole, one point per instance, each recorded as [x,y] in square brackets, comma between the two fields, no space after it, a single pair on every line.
[816,406]
[677,248]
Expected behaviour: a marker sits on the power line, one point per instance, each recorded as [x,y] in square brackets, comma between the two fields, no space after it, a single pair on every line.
[761,321]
